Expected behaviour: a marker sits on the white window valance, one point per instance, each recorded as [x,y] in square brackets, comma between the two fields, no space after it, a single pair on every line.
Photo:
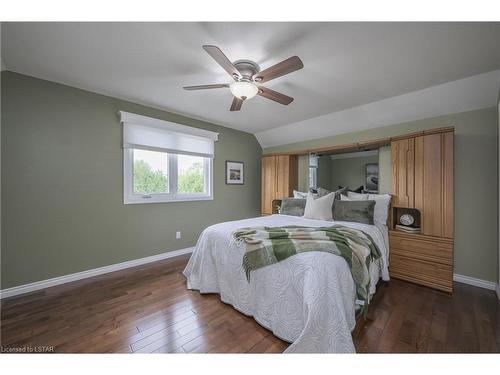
[152,134]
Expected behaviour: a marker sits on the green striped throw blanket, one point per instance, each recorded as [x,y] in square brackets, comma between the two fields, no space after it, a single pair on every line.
[269,245]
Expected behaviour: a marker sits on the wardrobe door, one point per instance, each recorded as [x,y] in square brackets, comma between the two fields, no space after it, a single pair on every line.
[403,174]
[429,176]
[286,175]
[282,176]
[268,177]
[419,174]
[448,222]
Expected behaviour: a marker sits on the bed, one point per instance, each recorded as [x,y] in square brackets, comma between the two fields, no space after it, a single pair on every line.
[307,299]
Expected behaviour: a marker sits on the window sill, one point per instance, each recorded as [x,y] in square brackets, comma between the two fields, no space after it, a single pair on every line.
[165,200]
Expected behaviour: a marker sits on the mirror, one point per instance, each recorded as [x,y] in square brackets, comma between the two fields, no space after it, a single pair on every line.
[357,170]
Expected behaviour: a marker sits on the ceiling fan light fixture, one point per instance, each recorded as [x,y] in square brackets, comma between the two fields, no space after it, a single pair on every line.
[248,77]
[243,89]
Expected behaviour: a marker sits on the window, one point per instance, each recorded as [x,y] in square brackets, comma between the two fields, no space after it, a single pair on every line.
[165,162]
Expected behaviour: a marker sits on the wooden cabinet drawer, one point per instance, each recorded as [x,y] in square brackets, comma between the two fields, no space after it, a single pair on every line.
[428,273]
[422,248]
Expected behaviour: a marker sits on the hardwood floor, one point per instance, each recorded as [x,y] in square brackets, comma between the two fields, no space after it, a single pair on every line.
[149,310]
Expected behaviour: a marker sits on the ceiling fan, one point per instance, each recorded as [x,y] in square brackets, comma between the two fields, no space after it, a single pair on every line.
[248,77]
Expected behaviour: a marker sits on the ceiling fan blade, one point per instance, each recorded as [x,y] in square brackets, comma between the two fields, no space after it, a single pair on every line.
[205,87]
[222,60]
[275,95]
[236,105]
[286,66]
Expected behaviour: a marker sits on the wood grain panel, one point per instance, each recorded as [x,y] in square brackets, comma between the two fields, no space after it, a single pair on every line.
[436,274]
[268,181]
[415,247]
[282,176]
[402,198]
[395,173]
[419,174]
[425,260]
[448,196]
[403,174]
[286,175]
[279,179]
[432,185]
[410,173]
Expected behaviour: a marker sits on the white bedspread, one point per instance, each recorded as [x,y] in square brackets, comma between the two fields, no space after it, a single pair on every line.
[307,299]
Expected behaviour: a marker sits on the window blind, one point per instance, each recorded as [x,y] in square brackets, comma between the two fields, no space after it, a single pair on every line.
[158,135]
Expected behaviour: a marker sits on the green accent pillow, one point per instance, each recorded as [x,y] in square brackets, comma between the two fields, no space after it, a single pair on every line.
[341,191]
[322,192]
[293,206]
[357,211]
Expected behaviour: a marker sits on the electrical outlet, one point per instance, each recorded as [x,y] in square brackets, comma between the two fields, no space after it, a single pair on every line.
[178,235]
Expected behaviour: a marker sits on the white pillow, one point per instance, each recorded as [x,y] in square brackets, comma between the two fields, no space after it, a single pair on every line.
[357,196]
[381,210]
[344,198]
[299,194]
[319,208]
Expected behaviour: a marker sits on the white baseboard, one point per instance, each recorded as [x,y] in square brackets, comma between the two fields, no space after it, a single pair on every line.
[475,282]
[26,288]
[498,291]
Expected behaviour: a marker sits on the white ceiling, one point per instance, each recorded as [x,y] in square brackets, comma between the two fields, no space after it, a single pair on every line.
[345,64]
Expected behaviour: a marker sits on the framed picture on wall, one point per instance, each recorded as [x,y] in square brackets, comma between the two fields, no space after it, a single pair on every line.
[234,172]
[372,177]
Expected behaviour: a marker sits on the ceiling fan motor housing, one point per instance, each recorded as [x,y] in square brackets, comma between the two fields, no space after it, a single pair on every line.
[247,68]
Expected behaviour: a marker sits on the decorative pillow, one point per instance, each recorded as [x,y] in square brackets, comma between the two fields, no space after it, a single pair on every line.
[319,207]
[360,211]
[300,194]
[293,206]
[322,192]
[357,190]
[341,191]
[382,202]
[356,196]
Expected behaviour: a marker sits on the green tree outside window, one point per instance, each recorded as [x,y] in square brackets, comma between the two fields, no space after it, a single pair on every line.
[192,180]
[147,181]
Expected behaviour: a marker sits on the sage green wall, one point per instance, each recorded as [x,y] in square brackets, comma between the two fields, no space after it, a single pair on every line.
[476,181]
[384,169]
[62,209]
[350,171]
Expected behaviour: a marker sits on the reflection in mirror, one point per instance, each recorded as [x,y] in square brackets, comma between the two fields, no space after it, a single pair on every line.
[359,171]
[313,168]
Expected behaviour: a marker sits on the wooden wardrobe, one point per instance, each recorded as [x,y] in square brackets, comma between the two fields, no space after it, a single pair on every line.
[422,184]
[279,179]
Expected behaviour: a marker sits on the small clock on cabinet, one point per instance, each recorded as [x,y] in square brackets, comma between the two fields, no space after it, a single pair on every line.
[407,219]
